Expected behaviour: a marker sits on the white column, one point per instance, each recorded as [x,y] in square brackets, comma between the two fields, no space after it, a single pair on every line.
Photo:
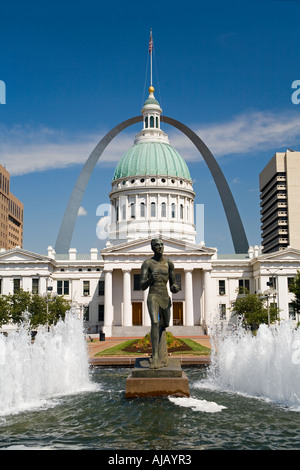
[189,301]
[147,319]
[282,297]
[171,309]
[127,308]
[108,305]
[207,296]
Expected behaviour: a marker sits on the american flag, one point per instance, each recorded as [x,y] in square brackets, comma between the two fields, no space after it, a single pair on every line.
[150,44]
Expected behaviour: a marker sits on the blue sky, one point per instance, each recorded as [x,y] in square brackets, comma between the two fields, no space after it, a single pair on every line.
[73,70]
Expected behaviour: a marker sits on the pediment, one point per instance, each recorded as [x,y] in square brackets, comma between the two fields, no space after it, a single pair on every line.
[289,254]
[18,255]
[172,246]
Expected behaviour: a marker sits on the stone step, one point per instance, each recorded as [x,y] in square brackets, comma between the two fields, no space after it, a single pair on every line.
[186,330]
[123,331]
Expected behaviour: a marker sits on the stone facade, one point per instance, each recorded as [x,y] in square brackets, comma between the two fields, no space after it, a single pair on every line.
[105,286]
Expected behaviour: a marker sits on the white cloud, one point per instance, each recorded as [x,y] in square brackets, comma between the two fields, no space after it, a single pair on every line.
[81,211]
[245,133]
[236,180]
[24,149]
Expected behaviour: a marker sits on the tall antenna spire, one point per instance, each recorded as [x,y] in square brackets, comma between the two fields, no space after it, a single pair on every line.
[150,52]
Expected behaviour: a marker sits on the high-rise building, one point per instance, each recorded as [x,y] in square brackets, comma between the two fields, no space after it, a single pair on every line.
[280,199]
[11,214]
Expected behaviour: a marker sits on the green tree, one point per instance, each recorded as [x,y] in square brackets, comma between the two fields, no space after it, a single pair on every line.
[294,287]
[251,308]
[18,306]
[37,310]
[23,306]
[4,310]
[57,308]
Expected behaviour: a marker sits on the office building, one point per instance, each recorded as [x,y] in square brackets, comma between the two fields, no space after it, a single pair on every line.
[11,214]
[280,198]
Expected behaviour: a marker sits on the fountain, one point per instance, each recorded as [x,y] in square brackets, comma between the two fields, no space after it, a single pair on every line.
[247,399]
[265,365]
[55,364]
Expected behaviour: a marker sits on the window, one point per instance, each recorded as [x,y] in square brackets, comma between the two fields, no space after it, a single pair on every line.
[272,282]
[222,311]
[86,287]
[35,285]
[173,210]
[153,209]
[146,121]
[157,121]
[132,210]
[222,287]
[101,312]
[151,121]
[290,281]
[181,211]
[292,311]
[101,288]
[86,312]
[63,287]
[244,286]
[163,210]
[178,280]
[142,209]
[136,282]
[17,285]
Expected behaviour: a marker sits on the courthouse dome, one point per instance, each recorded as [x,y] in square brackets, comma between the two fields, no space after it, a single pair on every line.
[152,190]
[152,159]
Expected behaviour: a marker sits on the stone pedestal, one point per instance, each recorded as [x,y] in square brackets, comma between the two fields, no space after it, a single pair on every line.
[146,382]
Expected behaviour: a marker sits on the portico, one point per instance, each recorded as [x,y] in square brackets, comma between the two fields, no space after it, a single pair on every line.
[126,303]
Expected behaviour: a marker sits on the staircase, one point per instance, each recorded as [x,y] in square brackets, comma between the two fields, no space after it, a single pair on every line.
[140,331]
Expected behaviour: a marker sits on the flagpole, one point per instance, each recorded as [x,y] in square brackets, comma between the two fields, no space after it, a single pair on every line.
[150,50]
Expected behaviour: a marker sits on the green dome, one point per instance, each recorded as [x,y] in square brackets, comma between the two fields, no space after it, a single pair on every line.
[152,158]
[151,101]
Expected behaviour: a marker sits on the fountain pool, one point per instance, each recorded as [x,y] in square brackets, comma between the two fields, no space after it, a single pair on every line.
[72,407]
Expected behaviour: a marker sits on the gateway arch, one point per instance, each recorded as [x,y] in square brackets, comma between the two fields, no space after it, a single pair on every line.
[236,227]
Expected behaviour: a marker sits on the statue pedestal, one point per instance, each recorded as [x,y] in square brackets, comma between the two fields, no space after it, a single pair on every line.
[146,382]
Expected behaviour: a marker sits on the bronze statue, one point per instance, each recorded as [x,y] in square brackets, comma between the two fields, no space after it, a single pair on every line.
[156,272]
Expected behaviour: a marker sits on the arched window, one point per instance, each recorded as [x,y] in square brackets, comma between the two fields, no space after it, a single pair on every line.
[163,209]
[146,122]
[132,210]
[173,210]
[117,213]
[151,121]
[142,209]
[153,209]
[181,211]
[157,121]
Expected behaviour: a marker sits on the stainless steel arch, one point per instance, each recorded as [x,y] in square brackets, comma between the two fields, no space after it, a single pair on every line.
[65,233]
[236,227]
[237,231]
